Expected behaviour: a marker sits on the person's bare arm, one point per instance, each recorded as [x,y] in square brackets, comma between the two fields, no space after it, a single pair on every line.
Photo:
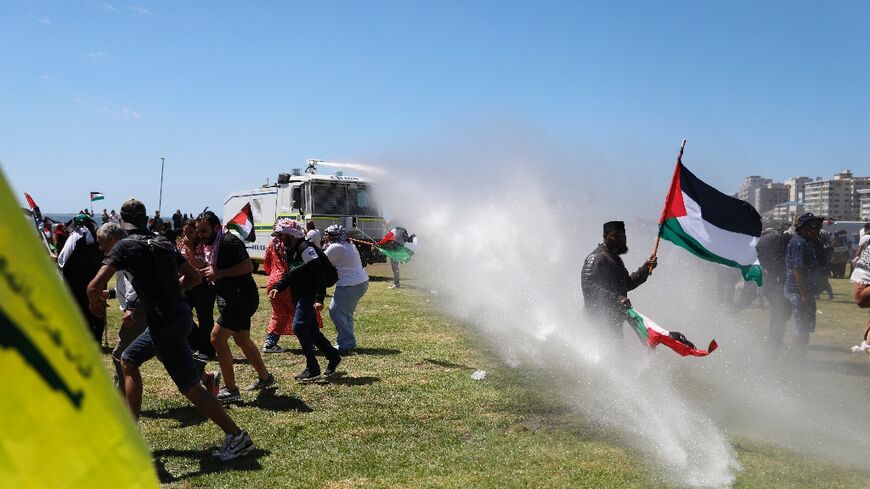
[96,302]
[243,267]
[190,277]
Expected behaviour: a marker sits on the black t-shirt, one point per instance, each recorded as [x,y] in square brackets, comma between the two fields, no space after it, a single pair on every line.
[231,252]
[153,263]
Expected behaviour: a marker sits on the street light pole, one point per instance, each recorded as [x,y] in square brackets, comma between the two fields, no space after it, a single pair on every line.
[160,201]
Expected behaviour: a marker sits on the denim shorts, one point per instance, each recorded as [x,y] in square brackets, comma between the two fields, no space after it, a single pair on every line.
[170,345]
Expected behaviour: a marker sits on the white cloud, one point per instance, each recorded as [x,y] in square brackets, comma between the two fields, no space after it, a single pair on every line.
[107,7]
[96,55]
[138,9]
[126,113]
[41,19]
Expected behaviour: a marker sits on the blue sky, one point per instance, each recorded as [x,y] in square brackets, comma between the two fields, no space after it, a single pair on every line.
[94,93]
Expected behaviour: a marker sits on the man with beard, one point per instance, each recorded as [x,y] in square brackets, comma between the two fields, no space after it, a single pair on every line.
[306,279]
[606,282]
[229,268]
[159,273]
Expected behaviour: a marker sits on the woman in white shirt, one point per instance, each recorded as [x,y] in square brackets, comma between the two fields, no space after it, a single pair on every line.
[353,282]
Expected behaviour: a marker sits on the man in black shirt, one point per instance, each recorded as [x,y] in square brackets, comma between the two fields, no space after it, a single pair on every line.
[606,282]
[307,282]
[771,250]
[155,264]
[229,269]
[79,261]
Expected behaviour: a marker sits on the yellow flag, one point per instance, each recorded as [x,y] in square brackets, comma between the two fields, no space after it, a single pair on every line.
[62,423]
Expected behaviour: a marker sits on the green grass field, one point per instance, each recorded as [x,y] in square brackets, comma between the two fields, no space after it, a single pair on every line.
[405,412]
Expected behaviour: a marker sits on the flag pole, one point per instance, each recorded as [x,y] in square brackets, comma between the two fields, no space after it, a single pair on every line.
[668,201]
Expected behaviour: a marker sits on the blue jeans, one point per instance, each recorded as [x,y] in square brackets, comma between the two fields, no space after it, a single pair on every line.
[341,308]
[309,335]
[804,313]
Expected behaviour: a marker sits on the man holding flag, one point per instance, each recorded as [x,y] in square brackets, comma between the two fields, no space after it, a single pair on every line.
[606,282]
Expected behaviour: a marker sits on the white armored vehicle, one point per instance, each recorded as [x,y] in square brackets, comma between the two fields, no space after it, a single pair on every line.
[310,196]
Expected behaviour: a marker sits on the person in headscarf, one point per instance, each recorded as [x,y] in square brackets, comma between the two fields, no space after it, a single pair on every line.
[353,282]
[606,282]
[306,278]
[79,260]
[283,308]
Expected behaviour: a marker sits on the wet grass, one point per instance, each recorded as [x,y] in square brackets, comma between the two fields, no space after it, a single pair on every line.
[405,412]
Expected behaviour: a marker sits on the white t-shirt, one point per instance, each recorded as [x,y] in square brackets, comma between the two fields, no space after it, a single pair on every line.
[864,240]
[313,237]
[345,258]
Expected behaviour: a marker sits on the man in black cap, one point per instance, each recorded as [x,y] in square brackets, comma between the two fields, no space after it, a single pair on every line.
[802,278]
[606,281]
[159,273]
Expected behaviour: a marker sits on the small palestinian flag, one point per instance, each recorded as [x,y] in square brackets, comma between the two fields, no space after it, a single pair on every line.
[397,245]
[95,196]
[710,224]
[653,335]
[243,224]
[37,214]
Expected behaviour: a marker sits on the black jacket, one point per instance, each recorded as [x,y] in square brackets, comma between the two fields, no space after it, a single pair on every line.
[771,255]
[605,281]
[304,275]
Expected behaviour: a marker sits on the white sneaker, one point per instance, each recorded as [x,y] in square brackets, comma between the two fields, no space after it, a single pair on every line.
[234,447]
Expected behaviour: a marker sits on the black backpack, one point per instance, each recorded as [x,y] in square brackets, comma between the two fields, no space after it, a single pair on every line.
[330,274]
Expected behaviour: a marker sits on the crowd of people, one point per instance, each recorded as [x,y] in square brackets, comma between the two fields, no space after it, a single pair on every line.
[168,279]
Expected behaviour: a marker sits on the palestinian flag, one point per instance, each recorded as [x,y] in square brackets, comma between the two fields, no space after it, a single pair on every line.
[396,247]
[653,335]
[243,224]
[95,196]
[710,224]
[37,214]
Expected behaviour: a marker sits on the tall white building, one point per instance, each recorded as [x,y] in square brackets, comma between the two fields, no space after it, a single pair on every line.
[766,197]
[864,204]
[835,198]
[796,188]
[749,185]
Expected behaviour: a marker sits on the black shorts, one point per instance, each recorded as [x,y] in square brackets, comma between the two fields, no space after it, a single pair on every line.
[172,349]
[236,308]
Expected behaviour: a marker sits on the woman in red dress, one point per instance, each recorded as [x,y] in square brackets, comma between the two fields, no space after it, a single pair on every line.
[281,323]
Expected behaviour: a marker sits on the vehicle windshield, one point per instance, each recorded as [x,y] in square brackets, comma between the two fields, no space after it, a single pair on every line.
[343,199]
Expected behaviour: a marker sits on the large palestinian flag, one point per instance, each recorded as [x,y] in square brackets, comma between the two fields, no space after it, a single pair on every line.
[653,335]
[710,224]
[243,223]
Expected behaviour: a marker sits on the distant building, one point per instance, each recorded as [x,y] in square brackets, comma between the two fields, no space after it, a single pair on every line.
[784,213]
[749,185]
[766,197]
[796,188]
[864,204]
[836,198]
